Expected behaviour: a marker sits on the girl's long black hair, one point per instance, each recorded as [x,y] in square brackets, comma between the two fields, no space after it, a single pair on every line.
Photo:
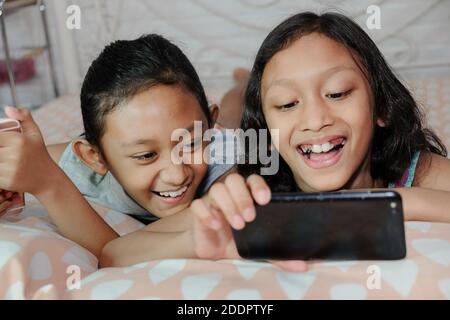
[394,145]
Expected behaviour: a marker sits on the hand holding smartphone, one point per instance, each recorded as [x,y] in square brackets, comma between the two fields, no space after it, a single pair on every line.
[18,200]
[326,226]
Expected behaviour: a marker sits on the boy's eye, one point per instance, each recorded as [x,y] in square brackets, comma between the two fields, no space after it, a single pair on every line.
[288,105]
[338,95]
[194,145]
[145,157]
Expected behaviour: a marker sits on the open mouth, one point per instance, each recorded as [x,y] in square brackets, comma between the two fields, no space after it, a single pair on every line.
[321,155]
[313,149]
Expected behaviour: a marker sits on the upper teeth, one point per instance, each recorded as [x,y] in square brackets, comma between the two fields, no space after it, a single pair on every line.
[173,194]
[318,148]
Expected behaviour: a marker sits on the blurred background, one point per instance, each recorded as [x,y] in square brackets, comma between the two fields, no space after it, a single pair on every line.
[217,36]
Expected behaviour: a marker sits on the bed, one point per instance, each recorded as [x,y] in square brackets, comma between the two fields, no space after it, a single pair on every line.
[38,263]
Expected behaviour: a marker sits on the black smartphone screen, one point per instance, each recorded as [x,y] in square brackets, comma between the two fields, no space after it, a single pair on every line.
[326,226]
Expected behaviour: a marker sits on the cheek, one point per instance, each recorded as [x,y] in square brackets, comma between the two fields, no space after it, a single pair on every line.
[145,177]
[134,179]
[362,119]
[200,171]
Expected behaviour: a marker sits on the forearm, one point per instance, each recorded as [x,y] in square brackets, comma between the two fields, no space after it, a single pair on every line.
[72,214]
[421,204]
[144,245]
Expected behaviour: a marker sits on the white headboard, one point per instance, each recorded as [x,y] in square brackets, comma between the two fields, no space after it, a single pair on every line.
[220,35]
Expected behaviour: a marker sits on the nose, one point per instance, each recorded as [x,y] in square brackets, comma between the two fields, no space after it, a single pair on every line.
[315,115]
[174,174]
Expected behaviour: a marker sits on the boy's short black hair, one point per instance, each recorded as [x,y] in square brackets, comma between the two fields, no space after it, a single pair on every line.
[126,67]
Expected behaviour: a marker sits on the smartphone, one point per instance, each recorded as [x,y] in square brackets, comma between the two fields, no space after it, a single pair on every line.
[18,199]
[326,226]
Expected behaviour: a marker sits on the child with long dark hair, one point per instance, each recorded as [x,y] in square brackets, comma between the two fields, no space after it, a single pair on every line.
[345,122]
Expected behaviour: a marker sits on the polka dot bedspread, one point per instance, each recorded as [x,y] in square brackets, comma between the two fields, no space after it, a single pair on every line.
[37,263]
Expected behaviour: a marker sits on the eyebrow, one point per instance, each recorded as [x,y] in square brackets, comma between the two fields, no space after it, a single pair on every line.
[139,142]
[136,143]
[290,83]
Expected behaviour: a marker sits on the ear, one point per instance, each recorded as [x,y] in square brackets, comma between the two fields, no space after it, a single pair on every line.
[380,123]
[214,112]
[90,156]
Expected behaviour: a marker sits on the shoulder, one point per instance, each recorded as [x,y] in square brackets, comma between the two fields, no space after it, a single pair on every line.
[433,172]
[56,150]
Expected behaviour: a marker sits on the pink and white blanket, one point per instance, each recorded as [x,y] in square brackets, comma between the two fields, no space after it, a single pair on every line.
[37,263]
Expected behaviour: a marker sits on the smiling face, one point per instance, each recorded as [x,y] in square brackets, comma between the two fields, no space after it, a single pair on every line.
[137,148]
[317,96]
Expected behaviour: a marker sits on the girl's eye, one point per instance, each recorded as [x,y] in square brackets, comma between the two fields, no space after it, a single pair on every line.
[288,105]
[145,157]
[338,95]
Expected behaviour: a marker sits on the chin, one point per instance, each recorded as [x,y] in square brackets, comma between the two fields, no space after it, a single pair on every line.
[325,184]
[173,210]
